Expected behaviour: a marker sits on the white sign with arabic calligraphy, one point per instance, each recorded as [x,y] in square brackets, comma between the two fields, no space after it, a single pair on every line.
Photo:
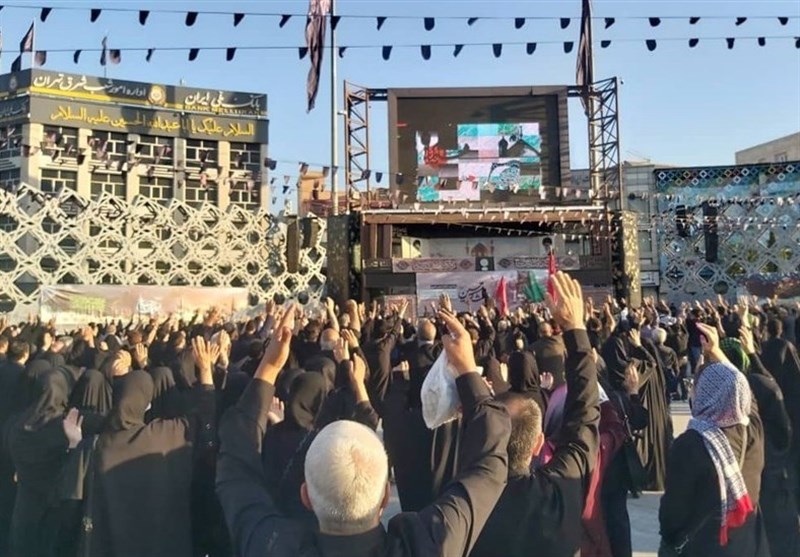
[465,289]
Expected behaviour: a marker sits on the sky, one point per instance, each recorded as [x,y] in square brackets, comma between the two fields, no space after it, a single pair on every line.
[678,106]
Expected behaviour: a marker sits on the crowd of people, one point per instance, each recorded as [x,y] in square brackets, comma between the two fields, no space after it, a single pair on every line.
[283,435]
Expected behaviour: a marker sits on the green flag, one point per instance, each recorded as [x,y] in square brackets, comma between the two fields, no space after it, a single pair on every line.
[533,290]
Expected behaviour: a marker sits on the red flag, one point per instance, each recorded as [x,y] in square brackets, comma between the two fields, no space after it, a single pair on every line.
[551,270]
[501,297]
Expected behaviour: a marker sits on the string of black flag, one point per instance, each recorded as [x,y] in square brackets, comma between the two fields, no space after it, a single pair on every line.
[114,56]
[429,23]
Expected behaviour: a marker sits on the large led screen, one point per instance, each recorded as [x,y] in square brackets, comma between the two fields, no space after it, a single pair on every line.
[479,145]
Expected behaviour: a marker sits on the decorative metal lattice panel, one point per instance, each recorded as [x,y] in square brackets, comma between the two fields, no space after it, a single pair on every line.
[758,222]
[67,239]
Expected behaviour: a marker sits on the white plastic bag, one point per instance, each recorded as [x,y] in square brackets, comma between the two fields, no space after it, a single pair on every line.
[439,394]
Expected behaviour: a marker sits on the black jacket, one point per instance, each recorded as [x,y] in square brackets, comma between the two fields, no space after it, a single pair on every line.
[448,528]
[540,514]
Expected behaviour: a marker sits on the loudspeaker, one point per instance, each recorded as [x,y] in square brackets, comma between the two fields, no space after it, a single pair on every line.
[311,229]
[292,246]
[681,222]
[710,231]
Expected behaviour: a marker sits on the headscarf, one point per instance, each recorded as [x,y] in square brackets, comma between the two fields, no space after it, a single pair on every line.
[284,383]
[734,350]
[306,395]
[50,394]
[722,399]
[523,375]
[92,393]
[166,398]
[133,393]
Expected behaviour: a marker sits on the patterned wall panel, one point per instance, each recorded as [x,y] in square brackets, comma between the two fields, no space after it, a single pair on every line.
[66,239]
[758,228]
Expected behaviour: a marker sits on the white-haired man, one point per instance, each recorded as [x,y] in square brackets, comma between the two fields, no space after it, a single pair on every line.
[346,474]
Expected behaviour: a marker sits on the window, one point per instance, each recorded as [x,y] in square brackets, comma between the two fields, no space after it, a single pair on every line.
[781,157]
[108,146]
[197,195]
[201,152]
[645,242]
[108,183]
[10,141]
[55,180]
[59,142]
[156,150]
[157,188]
[245,194]
[245,156]
[9,179]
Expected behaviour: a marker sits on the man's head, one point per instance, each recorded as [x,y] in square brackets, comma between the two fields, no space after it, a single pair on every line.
[660,336]
[545,329]
[329,339]
[527,438]
[346,479]
[19,352]
[46,340]
[774,328]
[426,330]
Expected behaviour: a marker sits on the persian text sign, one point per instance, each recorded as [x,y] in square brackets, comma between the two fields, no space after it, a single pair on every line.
[74,306]
[466,290]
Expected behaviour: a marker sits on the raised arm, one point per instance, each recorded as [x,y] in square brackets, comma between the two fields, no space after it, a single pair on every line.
[577,441]
[253,519]
[451,525]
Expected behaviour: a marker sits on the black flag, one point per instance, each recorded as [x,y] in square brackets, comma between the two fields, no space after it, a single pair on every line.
[26,44]
[95,14]
[150,52]
[45,13]
[584,70]
[315,42]
[230,53]
[16,65]
[386,52]
[237,19]
[76,56]
[143,15]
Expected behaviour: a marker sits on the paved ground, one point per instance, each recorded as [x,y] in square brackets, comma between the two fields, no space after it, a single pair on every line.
[643,511]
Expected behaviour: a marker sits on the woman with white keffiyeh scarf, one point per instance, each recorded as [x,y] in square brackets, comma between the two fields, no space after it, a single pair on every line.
[710,505]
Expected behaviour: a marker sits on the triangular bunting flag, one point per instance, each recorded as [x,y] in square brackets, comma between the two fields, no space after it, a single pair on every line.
[379,176]
[237,19]
[335,21]
[471,21]
[568,47]
[284,20]
[45,14]
[530,48]
[654,21]
[430,23]
[519,22]
[783,20]
[457,50]
[386,52]
[230,53]
[426,51]
[342,50]
[565,21]
[94,14]
[150,52]
[605,43]
[609,21]
[399,179]
[143,15]
[693,42]
[302,52]
[76,56]
[191,18]
[762,41]
[193,52]
[651,44]
[730,42]
[380,21]
[497,49]
[693,20]
[740,20]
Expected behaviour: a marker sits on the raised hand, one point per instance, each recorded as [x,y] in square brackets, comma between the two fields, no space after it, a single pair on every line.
[350,337]
[72,425]
[341,352]
[276,411]
[631,381]
[140,355]
[458,345]
[567,309]
[277,352]
[121,364]
[205,355]
[445,303]
[546,381]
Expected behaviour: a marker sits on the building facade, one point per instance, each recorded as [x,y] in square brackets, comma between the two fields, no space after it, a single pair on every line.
[779,150]
[729,230]
[96,135]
